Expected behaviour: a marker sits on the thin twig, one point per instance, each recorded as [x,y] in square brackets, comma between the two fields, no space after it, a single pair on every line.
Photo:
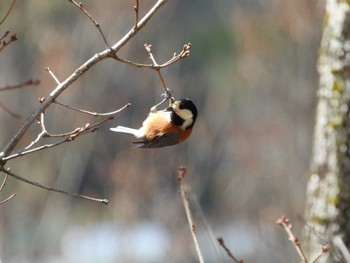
[325,249]
[52,75]
[13,38]
[149,50]
[157,67]
[8,198]
[180,177]
[8,12]
[1,187]
[26,83]
[3,182]
[168,95]
[12,113]
[176,57]
[228,251]
[5,35]
[94,21]
[287,226]
[136,9]
[41,135]
[94,113]
[71,136]
[36,184]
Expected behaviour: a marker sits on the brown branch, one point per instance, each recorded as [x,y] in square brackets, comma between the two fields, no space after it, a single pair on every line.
[1,187]
[5,35]
[70,136]
[228,251]
[53,75]
[95,114]
[157,67]
[94,21]
[176,57]
[136,9]
[108,53]
[287,226]
[24,84]
[7,199]
[12,113]
[181,173]
[8,12]
[324,249]
[36,184]
[3,183]
[5,43]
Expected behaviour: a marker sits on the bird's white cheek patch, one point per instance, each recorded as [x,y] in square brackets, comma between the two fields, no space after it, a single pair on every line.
[187,116]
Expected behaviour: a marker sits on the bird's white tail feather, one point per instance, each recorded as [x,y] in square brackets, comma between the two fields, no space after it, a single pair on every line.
[125,130]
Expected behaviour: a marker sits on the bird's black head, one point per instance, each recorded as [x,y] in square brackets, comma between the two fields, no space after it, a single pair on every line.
[185,113]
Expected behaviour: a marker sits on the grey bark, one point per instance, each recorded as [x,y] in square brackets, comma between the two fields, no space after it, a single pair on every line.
[328,190]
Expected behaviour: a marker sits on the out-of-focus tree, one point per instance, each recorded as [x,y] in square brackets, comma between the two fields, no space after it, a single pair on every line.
[328,189]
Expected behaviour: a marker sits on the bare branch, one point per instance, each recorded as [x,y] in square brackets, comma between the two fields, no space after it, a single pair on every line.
[176,57]
[12,113]
[1,187]
[97,25]
[228,251]
[3,182]
[52,75]
[94,113]
[5,43]
[7,199]
[339,243]
[5,35]
[155,66]
[8,12]
[70,136]
[41,135]
[325,249]
[136,9]
[36,184]
[26,83]
[287,226]
[181,173]
[108,53]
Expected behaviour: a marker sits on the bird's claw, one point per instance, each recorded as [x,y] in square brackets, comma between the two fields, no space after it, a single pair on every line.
[167,97]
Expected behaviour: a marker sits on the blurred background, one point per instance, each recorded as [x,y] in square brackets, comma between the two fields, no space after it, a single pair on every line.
[252,74]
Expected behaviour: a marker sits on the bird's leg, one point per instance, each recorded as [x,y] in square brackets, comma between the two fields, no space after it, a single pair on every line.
[167,96]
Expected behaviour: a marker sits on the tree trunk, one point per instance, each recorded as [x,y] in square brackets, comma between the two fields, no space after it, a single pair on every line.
[328,189]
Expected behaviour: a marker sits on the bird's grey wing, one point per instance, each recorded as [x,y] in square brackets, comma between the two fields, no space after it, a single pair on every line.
[160,141]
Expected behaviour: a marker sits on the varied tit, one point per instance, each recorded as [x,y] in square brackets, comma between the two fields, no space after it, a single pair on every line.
[166,127]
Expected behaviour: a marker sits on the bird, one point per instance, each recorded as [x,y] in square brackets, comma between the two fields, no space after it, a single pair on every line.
[166,127]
